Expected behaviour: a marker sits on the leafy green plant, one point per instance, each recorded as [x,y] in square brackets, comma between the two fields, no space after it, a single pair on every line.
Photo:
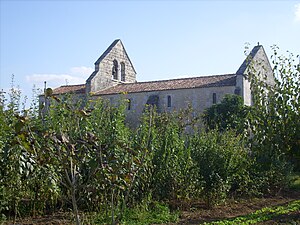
[261,215]
[295,181]
[220,162]
[16,162]
[273,123]
[274,118]
[143,214]
[171,159]
[90,150]
[230,113]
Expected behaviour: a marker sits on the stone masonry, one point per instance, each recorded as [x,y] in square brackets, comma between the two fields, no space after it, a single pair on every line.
[102,77]
[114,79]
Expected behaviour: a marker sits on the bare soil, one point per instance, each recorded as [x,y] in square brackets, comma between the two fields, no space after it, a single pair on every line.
[197,213]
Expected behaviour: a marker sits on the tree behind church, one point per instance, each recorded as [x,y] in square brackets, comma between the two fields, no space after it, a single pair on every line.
[230,113]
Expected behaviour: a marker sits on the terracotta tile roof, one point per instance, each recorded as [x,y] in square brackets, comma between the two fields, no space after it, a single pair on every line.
[76,89]
[184,83]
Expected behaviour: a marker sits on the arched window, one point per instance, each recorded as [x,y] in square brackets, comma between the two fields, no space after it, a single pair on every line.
[122,71]
[115,70]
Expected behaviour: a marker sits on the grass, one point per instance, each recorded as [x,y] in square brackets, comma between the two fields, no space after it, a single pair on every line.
[295,178]
[142,215]
[158,214]
[261,215]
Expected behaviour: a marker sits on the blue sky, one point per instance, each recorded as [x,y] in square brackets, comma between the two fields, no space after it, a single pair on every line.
[59,41]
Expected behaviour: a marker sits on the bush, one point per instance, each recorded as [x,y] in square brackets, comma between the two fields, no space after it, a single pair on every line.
[171,159]
[230,113]
[274,118]
[221,162]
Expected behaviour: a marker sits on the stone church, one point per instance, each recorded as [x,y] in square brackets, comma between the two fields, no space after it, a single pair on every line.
[115,78]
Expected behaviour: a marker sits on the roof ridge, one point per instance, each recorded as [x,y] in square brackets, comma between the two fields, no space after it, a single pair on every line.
[184,78]
[71,85]
[107,50]
[172,84]
[249,59]
[105,53]
[127,55]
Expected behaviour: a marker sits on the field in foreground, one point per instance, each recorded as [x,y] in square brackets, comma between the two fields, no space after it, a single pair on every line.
[197,213]
[233,210]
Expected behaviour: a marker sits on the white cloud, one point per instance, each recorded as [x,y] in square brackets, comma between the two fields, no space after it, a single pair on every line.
[297,12]
[54,79]
[82,70]
[76,75]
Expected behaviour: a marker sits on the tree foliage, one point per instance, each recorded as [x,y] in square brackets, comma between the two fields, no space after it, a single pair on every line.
[221,164]
[274,118]
[230,113]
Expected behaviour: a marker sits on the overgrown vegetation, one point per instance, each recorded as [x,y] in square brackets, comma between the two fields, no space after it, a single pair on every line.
[85,157]
[142,214]
[230,113]
[262,215]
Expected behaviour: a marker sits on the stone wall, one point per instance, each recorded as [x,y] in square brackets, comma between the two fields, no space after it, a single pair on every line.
[198,98]
[262,68]
[45,103]
[103,77]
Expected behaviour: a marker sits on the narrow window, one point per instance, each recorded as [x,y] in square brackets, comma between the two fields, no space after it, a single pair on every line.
[128,104]
[214,98]
[115,70]
[122,71]
[169,101]
[237,91]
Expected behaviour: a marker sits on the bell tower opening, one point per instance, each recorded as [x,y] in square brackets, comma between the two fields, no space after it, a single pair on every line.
[115,70]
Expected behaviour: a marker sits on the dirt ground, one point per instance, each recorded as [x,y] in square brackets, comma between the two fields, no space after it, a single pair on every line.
[197,213]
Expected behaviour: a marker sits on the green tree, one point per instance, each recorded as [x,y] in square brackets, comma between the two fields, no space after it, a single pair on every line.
[171,158]
[274,118]
[230,113]
[14,160]
[221,164]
